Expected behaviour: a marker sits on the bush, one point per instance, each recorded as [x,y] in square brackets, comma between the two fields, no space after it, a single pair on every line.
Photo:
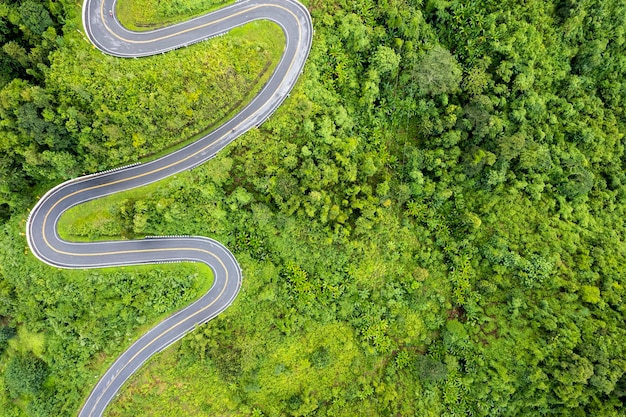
[6,333]
[25,375]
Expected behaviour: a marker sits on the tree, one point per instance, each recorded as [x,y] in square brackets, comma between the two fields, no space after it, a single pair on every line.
[429,369]
[385,60]
[437,72]
[6,333]
[25,375]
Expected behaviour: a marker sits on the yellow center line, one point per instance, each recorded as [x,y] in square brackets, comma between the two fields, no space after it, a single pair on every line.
[161,168]
[156,170]
[191,29]
[219,296]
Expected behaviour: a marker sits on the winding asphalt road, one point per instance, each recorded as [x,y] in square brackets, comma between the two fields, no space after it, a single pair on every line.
[108,35]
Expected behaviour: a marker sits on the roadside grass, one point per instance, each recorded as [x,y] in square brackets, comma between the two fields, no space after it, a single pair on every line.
[150,106]
[192,378]
[274,38]
[203,281]
[95,213]
[195,384]
[92,220]
[143,15]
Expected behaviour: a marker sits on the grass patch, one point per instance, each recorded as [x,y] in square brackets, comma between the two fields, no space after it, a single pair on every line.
[142,108]
[275,41]
[192,379]
[150,389]
[143,15]
[201,277]
[89,221]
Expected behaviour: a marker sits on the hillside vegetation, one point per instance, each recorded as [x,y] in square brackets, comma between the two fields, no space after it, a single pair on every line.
[431,225]
[150,14]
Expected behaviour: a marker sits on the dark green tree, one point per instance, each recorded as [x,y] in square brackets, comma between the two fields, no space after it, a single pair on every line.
[25,375]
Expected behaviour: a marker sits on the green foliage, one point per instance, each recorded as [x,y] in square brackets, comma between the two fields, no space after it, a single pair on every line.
[6,333]
[432,224]
[97,119]
[35,17]
[25,375]
[437,72]
[430,370]
[150,14]
[386,61]
[590,294]
[28,32]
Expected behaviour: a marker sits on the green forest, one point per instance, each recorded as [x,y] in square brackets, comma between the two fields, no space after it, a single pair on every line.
[431,225]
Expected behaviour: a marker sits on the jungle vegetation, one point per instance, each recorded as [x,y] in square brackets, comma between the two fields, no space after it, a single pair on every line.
[432,224]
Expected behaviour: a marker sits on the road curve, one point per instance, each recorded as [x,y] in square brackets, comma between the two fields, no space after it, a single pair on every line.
[108,35]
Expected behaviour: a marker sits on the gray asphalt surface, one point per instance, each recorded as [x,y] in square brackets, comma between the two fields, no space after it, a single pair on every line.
[108,35]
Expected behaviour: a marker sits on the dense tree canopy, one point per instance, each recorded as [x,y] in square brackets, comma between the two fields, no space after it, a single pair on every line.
[432,224]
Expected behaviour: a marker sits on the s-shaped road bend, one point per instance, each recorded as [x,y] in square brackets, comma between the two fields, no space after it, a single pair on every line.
[108,35]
